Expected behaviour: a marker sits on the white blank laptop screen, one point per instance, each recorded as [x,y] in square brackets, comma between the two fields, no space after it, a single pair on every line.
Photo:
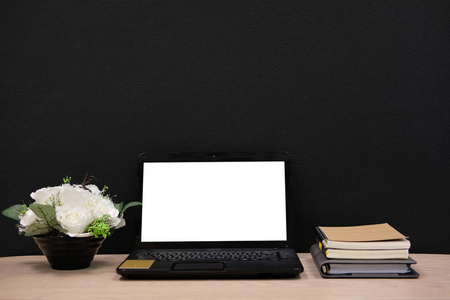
[213,201]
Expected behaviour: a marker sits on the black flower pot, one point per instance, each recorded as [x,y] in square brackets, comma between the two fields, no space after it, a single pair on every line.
[69,253]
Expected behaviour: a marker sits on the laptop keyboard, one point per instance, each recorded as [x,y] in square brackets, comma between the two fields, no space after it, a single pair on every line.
[176,256]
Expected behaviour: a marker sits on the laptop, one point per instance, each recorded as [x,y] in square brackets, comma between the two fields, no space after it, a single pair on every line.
[213,215]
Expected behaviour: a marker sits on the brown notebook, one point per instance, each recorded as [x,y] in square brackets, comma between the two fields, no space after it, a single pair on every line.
[364,233]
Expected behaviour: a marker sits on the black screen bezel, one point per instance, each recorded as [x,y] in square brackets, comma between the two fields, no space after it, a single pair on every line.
[213,157]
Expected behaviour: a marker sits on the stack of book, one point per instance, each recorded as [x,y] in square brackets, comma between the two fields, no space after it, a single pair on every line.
[362,251]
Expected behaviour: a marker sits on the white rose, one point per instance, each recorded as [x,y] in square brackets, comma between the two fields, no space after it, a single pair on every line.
[74,195]
[74,218]
[102,206]
[43,196]
[28,218]
[94,189]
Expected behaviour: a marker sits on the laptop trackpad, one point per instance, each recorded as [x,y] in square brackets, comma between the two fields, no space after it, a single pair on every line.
[198,266]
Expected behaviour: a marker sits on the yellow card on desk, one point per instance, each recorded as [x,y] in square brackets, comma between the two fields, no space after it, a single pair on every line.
[136,264]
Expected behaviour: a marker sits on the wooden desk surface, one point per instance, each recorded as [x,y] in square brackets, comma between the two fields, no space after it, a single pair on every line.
[30,277]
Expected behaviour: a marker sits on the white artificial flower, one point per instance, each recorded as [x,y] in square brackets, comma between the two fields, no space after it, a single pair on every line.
[28,218]
[102,206]
[118,222]
[74,218]
[74,195]
[94,189]
[44,195]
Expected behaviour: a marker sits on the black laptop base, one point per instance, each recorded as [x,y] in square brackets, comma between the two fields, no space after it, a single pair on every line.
[139,266]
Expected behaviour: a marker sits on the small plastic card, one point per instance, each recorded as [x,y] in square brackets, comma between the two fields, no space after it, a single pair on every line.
[136,264]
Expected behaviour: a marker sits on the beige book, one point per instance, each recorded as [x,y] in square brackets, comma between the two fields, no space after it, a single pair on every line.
[366,254]
[392,244]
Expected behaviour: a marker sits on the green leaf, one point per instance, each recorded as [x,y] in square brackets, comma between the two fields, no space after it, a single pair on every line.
[59,228]
[37,228]
[13,212]
[118,206]
[131,204]
[43,211]
[48,215]
[55,225]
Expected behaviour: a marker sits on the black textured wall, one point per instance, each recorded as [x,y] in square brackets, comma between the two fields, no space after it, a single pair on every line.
[356,91]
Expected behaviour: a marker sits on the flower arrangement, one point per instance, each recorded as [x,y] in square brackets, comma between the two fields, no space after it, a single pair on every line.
[75,210]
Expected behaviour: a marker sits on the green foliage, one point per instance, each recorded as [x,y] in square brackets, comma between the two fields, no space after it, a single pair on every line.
[100,227]
[55,200]
[24,210]
[105,188]
[46,212]
[47,223]
[131,204]
[104,194]
[122,209]
[67,179]
[13,212]
[37,228]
